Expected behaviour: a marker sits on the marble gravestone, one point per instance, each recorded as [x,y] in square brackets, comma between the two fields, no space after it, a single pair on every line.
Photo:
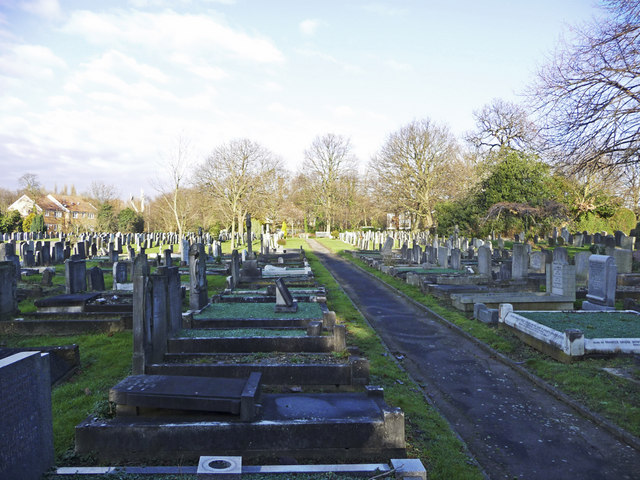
[602,283]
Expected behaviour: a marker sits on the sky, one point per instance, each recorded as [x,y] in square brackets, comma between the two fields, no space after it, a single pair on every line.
[102,90]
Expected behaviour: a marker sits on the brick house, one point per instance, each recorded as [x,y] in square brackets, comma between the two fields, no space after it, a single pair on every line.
[62,213]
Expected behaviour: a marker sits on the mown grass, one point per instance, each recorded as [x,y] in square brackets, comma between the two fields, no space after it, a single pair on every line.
[613,397]
[428,435]
[105,360]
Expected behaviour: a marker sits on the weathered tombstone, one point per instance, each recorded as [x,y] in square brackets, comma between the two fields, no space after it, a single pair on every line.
[235,268]
[443,257]
[198,277]
[95,279]
[560,255]
[519,261]
[142,305]
[75,275]
[602,283]
[484,261]
[249,236]
[184,252]
[284,299]
[563,278]
[623,259]
[8,290]
[26,443]
[119,272]
[168,262]
[47,277]
[537,262]
[80,250]
[581,260]
[456,259]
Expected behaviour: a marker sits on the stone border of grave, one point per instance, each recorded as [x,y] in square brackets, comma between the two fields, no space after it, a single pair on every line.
[569,345]
[402,468]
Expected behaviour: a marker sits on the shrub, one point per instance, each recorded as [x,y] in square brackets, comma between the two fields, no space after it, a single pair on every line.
[623,219]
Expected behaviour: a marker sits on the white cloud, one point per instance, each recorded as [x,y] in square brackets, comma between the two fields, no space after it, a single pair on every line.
[171,32]
[399,66]
[43,8]
[29,61]
[309,27]
[199,67]
[349,67]
[342,111]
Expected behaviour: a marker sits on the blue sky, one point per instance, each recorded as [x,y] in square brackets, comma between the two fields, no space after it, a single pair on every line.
[101,90]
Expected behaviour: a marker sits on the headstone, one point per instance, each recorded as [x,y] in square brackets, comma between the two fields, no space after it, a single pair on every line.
[581,260]
[75,275]
[520,261]
[563,279]
[249,236]
[484,261]
[537,262]
[8,290]
[456,259]
[119,272]
[95,279]
[47,277]
[198,296]
[26,443]
[602,283]
[284,299]
[623,259]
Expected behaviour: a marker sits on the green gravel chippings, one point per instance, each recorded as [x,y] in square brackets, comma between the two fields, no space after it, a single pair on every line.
[306,310]
[592,324]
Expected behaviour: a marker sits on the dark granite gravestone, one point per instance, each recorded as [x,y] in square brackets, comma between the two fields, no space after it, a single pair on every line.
[237,396]
[80,250]
[8,290]
[46,254]
[284,300]
[95,279]
[26,443]
[29,258]
[75,275]
[249,236]
[167,262]
[119,272]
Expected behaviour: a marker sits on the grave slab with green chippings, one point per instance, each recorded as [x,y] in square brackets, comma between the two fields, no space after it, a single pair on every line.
[623,324]
[306,311]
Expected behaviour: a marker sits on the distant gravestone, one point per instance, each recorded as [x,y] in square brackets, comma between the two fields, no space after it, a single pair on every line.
[284,299]
[95,279]
[602,283]
[581,260]
[537,262]
[456,263]
[26,443]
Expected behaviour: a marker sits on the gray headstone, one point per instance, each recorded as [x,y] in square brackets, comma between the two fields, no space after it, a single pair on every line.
[8,290]
[284,299]
[198,296]
[75,275]
[95,279]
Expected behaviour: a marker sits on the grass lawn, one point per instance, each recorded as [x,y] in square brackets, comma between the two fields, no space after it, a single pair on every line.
[592,324]
[613,397]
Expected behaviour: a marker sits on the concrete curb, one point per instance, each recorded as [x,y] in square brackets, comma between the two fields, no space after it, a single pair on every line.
[618,432]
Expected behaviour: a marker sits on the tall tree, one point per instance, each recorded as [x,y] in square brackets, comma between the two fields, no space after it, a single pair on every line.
[173,182]
[588,96]
[328,159]
[30,185]
[502,124]
[233,175]
[412,168]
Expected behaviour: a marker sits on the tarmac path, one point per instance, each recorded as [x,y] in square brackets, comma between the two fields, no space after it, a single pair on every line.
[513,428]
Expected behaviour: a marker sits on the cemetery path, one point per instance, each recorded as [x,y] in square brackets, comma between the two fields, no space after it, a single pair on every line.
[513,428]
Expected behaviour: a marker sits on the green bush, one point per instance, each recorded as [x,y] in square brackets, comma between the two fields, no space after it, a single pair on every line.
[623,220]
[335,233]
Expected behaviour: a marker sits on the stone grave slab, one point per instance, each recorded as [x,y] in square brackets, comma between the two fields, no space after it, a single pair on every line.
[70,302]
[347,425]
[237,396]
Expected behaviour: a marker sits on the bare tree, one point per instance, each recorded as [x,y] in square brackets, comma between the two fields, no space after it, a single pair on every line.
[588,96]
[327,159]
[30,185]
[102,192]
[171,185]
[234,175]
[502,124]
[412,168]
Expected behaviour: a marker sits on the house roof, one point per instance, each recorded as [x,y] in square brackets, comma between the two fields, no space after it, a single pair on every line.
[74,203]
